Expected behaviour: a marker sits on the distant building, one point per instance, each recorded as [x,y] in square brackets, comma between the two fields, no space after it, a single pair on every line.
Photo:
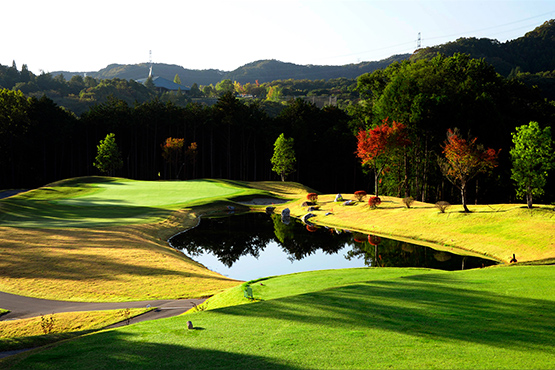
[164,85]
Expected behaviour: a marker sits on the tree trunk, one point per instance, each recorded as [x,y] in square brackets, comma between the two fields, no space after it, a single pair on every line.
[463,195]
[406,180]
[376,183]
[529,198]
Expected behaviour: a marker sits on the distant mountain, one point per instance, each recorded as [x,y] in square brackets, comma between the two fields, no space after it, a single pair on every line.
[262,70]
[138,71]
[272,70]
[534,52]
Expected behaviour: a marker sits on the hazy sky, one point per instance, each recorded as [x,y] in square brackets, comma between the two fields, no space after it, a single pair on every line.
[80,35]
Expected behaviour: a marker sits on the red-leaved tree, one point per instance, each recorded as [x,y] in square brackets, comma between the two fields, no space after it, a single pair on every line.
[463,160]
[377,148]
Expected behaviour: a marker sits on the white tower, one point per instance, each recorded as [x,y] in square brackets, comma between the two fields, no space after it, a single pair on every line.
[150,62]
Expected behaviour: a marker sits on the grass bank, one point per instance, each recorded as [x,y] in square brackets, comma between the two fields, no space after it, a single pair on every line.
[494,318]
[496,231]
[35,331]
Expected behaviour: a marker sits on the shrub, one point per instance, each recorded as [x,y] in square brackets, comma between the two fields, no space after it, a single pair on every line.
[47,324]
[374,239]
[313,197]
[408,201]
[373,202]
[442,206]
[360,195]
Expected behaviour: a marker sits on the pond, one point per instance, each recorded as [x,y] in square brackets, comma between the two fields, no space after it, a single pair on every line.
[255,245]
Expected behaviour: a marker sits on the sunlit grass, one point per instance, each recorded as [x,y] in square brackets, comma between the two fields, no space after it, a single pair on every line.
[98,202]
[496,231]
[493,318]
[29,333]
[65,257]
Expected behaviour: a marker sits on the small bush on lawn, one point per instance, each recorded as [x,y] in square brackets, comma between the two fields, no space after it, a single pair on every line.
[373,202]
[313,197]
[408,201]
[442,205]
[360,195]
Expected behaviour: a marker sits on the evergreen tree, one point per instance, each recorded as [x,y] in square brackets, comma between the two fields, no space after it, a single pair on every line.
[532,157]
[149,83]
[108,159]
[176,79]
[283,160]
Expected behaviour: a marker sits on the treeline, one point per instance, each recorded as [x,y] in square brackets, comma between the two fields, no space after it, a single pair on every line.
[42,142]
[79,93]
[432,96]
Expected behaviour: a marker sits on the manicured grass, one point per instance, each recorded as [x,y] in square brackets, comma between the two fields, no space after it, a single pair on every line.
[29,333]
[496,231]
[494,318]
[99,202]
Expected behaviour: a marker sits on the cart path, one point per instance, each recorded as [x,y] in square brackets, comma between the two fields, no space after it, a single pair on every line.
[25,307]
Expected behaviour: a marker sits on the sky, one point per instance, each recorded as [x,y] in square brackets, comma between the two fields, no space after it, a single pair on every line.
[88,35]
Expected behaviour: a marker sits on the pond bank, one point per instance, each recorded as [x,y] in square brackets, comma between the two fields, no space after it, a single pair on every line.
[493,231]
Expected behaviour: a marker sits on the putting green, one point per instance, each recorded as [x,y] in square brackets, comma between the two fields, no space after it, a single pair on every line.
[166,194]
[112,202]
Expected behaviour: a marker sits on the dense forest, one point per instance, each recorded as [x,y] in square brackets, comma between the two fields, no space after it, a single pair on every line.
[50,127]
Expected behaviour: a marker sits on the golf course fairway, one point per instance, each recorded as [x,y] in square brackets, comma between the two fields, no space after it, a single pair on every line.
[105,239]
[373,318]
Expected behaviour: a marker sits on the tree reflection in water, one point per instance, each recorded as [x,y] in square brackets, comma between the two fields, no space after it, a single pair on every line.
[231,237]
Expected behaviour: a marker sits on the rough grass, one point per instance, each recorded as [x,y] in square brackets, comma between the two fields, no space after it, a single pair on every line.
[29,333]
[80,262]
[494,318]
[496,231]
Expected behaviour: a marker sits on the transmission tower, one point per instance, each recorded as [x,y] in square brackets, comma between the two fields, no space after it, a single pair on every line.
[418,41]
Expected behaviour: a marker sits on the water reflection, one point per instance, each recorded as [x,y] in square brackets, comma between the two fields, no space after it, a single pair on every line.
[232,238]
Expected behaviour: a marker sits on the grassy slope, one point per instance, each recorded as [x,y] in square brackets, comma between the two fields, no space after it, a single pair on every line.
[72,258]
[87,249]
[500,318]
[497,231]
[28,333]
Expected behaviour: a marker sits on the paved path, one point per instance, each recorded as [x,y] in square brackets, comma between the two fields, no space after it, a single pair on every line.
[24,307]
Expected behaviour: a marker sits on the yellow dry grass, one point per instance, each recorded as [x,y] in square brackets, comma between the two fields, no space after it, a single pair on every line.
[497,231]
[65,322]
[107,264]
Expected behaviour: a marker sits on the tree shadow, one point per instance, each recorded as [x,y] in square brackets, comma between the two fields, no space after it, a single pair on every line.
[71,213]
[118,350]
[428,306]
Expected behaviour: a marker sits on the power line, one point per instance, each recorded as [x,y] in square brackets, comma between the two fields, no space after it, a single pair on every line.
[461,34]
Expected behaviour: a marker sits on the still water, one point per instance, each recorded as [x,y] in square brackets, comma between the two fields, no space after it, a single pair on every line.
[254,245]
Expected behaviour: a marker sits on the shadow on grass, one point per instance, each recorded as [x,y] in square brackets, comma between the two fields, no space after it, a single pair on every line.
[99,212]
[118,350]
[422,306]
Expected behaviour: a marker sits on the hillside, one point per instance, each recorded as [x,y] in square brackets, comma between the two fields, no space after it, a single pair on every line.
[533,53]
[262,70]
